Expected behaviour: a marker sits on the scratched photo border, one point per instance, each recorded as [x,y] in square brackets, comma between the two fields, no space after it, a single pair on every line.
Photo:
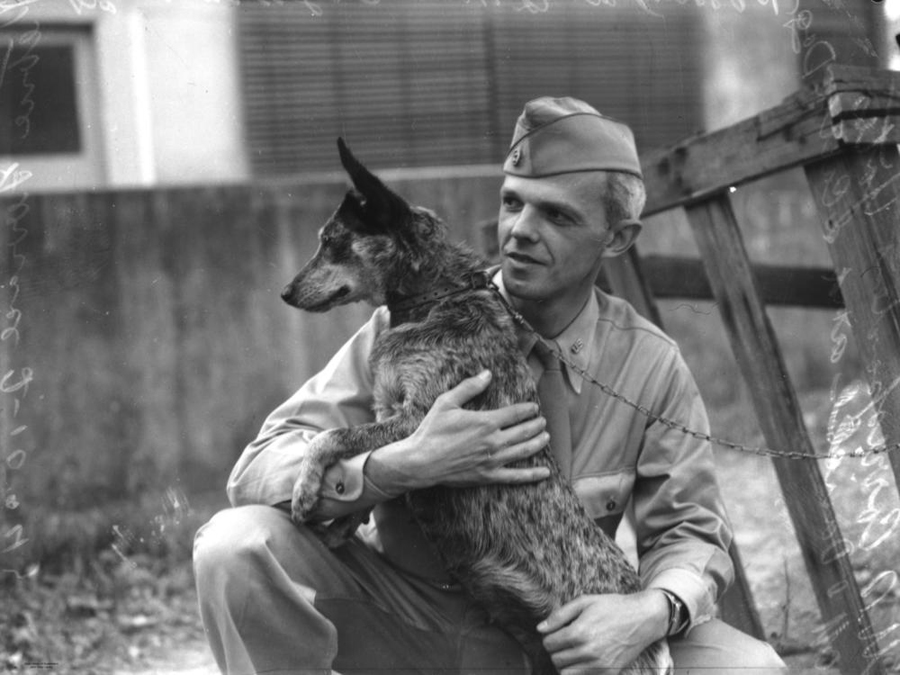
[18,378]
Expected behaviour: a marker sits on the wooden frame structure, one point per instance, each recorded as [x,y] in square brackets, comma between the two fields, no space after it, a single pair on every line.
[843,129]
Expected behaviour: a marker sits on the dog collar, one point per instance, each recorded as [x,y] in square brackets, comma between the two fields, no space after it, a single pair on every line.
[401,310]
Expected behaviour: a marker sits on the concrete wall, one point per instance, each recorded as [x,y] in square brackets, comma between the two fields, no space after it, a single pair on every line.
[153,328]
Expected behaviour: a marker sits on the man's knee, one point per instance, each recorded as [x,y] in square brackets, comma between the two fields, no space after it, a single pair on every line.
[762,656]
[257,575]
[236,542]
[716,645]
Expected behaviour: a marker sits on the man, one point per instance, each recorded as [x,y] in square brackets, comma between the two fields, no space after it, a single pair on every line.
[275,600]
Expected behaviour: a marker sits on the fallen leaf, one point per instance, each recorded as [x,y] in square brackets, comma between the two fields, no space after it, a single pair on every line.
[131,624]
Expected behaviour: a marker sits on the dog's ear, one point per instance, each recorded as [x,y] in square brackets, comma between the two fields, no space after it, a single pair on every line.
[381,209]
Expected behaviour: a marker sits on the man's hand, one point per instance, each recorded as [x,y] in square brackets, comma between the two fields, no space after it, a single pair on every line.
[604,633]
[459,447]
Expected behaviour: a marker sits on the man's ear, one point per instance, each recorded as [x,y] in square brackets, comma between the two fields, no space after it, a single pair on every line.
[620,237]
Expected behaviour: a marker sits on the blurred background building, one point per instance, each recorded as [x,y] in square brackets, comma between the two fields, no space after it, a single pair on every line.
[158,92]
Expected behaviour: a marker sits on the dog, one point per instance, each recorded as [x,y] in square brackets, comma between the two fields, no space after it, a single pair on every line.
[522,551]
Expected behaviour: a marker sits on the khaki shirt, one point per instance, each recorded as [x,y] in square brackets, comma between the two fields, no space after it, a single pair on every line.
[618,453]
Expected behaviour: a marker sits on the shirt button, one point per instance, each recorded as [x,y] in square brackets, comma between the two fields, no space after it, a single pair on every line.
[611,505]
[339,488]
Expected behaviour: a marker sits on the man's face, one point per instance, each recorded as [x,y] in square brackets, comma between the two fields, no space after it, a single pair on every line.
[552,233]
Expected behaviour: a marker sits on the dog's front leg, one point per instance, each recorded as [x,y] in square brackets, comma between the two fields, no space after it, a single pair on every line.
[334,445]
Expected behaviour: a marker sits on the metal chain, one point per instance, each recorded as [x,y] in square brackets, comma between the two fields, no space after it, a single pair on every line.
[672,424]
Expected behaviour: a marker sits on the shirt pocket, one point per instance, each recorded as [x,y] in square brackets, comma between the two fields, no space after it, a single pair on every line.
[605,494]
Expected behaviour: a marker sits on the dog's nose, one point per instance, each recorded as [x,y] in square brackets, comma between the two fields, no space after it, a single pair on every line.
[287,292]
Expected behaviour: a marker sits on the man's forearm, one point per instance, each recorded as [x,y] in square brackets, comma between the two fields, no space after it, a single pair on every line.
[364,482]
[451,446]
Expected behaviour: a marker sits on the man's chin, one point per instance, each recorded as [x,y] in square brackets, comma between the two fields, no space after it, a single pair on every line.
[523,287]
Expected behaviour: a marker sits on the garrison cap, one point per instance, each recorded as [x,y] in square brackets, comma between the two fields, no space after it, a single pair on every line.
[565,135]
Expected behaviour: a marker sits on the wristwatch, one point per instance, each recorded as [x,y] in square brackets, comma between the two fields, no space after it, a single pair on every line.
[678,616]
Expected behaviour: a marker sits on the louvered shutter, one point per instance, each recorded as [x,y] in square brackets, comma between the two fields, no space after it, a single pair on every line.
[641,69]
[404,82]
[440,82]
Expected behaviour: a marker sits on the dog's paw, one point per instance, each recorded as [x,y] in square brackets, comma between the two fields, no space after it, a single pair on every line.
[306,491]
[318,457]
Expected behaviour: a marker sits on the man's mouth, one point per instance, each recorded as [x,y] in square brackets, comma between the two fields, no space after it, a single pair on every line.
[522,258]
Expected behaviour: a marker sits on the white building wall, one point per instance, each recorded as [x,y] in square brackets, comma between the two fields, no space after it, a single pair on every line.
[750,64]
[193,79]
[159,92]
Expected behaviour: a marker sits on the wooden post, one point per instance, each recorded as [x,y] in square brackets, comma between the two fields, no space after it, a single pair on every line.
[627,280]
[857,195]
[805,494]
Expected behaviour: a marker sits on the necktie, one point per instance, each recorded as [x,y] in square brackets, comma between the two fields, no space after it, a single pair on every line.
[552,394]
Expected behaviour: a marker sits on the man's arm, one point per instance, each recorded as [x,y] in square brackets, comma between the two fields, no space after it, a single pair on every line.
[683,538]
[451,446]
[683,534]
[338,396]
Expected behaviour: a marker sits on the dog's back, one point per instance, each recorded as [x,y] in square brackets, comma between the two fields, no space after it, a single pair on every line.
[522,551]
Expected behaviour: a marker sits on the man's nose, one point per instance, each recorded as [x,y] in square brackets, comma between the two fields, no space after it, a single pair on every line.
[525,225]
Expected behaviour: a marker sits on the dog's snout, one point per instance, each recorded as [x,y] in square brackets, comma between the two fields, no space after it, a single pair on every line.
[287,292]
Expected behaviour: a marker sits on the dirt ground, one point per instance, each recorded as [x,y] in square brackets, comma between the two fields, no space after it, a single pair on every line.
[194,659]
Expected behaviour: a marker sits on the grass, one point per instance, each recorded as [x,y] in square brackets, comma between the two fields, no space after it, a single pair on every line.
[109,588]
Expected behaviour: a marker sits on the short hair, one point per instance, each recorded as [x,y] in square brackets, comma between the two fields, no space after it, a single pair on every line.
[624,197]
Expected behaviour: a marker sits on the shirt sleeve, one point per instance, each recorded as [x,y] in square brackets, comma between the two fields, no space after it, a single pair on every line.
[338,396]
[683,533]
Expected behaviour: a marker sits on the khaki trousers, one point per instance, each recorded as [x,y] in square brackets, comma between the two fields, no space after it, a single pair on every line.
[275,600]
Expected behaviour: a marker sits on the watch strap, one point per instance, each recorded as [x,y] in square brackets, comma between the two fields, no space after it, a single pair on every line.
[678,616]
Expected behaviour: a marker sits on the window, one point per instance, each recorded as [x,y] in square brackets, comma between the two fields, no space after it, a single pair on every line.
[38,111]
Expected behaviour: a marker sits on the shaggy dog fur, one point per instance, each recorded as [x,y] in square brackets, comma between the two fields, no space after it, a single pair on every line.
[522,551]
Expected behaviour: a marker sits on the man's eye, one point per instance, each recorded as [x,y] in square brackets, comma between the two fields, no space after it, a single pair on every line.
[511,204]
[556,216]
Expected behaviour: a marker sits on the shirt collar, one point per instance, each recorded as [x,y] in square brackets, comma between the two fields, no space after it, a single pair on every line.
[576,342]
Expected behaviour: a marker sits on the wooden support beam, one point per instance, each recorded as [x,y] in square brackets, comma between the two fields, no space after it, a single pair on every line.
[681,277]
[806,497]
[858,197]
[847,106]
[625,277]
